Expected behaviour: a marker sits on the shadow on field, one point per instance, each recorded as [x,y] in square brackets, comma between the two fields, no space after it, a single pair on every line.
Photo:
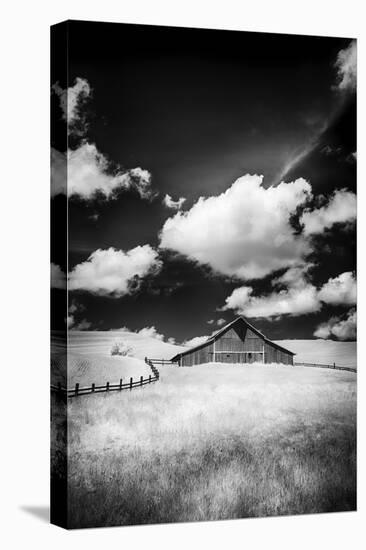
[40,512]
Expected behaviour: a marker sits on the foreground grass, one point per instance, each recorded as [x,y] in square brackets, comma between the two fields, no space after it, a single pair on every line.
[214,442]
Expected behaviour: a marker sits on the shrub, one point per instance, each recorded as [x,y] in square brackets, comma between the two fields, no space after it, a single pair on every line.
[120,348]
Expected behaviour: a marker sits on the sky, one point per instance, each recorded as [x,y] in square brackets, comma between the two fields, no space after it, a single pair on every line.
[210,174]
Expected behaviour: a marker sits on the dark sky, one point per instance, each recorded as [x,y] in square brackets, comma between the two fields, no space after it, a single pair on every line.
[198,109]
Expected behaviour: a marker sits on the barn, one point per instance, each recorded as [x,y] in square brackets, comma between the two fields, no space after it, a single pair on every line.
[237,342]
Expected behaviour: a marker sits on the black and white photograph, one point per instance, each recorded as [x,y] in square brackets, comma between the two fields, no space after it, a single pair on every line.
[203,274]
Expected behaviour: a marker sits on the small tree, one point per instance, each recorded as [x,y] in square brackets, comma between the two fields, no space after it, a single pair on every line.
[121,348]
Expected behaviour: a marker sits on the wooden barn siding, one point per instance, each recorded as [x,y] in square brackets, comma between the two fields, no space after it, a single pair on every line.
[273,355]
[203,355]
[231,342]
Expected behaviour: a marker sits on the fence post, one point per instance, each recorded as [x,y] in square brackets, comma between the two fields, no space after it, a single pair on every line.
[93,387]
[333,365]
[107,386]
[141,379]
[131,382]
[149,378]
[77,388]
[120,384]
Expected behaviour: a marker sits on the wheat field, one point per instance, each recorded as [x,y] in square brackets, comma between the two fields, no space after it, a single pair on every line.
[214,442]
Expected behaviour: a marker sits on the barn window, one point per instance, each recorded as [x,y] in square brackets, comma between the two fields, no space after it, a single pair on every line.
[228,355]
[249,355]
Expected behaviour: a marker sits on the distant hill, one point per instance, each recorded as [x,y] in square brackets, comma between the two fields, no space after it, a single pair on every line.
[100,343]
[322,351]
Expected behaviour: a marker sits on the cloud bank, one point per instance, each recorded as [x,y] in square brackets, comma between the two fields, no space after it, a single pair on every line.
[114,273]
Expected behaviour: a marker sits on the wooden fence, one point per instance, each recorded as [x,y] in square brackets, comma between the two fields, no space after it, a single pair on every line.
[159,362]
[321,366]
[78,390]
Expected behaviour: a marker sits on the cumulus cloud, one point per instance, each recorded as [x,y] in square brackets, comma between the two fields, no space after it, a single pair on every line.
[84,171]
[174,205]
[346,65]
[294,301]
[72,101]
[342,329]
[341,208]
[245,231]
[148,332]
[114,272]
[88,172]
[58,277]
[196,341]
[300,296]
[340,290]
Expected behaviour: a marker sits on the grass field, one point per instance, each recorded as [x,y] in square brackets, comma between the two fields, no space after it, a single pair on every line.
[214,442]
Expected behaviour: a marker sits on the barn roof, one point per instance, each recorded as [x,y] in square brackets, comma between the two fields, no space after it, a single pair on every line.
[219,333]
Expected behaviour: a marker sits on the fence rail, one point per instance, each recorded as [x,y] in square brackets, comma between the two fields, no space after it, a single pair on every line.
[78,390]
[322,366]
[160,361]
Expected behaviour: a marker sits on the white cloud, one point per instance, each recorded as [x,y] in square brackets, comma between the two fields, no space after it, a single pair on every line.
[87,172]
[341,208]
[219,322]
[299,298]
[244,232]
[346,65]
[175,205]
[340,290]
[293,301]
[114,272]
[147,332]
[58,278]
[343,329]
[150,332]
[72,100]
[196,341]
